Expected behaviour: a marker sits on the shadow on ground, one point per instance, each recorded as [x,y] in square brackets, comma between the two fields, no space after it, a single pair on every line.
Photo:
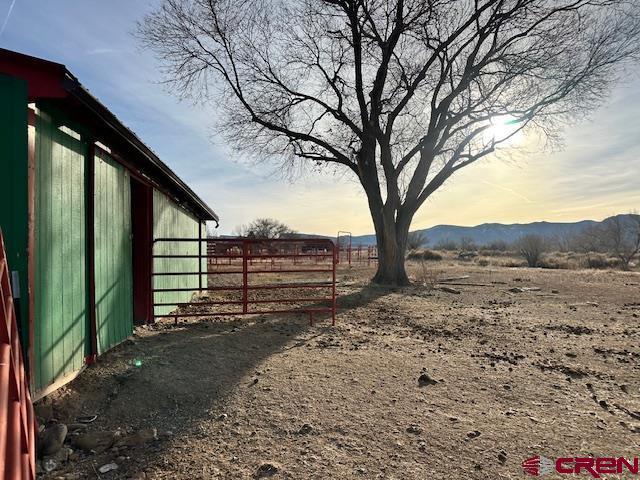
[188,372]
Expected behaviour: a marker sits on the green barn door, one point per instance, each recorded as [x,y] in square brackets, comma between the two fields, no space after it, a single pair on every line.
[113,263]
[60,336]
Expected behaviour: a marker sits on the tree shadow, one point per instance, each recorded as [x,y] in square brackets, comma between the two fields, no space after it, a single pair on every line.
[188,372]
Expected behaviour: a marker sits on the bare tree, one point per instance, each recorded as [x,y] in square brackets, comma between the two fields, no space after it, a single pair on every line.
[264,228]
[531,247]
[498,246]
[467,244]
[404,93]
[562,241]
[416,239]
[447,244]
[621,236]
[240,230]
[590,242]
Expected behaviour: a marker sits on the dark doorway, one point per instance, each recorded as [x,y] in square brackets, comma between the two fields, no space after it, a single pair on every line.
[142,229]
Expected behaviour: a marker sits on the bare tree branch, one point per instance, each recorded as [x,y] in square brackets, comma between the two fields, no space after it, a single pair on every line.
[402,92]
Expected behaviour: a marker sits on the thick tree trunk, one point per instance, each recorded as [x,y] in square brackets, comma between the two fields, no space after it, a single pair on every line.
[391,223]
[392,243]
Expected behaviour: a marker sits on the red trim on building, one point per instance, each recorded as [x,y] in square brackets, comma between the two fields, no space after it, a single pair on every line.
[90,164]
[45,78]
[142,229]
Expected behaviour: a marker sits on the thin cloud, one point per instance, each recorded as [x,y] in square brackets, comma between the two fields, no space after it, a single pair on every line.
[101,51]
[508,190]
[6,19]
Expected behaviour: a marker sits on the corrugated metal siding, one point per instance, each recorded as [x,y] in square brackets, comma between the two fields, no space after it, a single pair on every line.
[113,263]
[60,300]
[171,221]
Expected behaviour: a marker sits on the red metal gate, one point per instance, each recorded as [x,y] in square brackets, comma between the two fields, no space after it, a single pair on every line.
[359,254]
[343,240]
[17,425]
[239,274]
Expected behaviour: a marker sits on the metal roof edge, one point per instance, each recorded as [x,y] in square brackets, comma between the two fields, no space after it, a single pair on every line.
[78,91]
[72,85]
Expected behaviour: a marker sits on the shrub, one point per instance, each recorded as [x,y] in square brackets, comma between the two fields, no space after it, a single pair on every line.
[415,256]
[602,262]
[446,244]
[515,264]
[621,235]
[425,255]
[467,244]
[553,264]
[431,255]
[486,252]
[597,262]
[498,246]
[555,261]
[531,248]
[467,255]
[415,240]
[483,262]
[618,236]
[426,276]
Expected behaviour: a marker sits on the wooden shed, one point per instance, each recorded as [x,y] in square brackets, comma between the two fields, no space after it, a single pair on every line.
[81,200]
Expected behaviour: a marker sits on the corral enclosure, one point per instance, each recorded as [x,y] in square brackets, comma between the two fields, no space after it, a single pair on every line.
[521,362]
[170,221]
[236,276]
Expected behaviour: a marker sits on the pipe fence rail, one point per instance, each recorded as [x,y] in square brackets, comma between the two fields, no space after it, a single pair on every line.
[17,420]
[360,255]
[355,254]
[242,276]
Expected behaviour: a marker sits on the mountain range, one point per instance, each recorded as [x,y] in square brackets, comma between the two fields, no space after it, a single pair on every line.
[491,232]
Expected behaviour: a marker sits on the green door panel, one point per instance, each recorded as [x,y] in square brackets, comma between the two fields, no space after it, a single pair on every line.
[60,339]
[113,263]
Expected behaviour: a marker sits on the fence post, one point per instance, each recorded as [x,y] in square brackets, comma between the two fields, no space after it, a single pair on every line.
[245,276]
[333,289]
[200,258]
[152,292]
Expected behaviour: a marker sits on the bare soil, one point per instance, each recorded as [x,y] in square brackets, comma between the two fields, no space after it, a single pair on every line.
[554,372]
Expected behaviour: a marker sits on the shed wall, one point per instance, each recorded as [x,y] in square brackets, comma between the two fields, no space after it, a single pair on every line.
[171,221]
[61,278]
[113,262]
[60,328]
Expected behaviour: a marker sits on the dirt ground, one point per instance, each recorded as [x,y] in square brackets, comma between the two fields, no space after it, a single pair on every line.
[553,372]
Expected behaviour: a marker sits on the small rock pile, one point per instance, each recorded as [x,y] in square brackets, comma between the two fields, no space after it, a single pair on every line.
[59,444]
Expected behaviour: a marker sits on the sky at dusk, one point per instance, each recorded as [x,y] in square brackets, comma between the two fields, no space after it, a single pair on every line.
[595,175]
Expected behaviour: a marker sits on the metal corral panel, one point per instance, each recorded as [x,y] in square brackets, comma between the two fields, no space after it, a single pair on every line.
[113,270]
[171,221]
[204,262]
[60,283]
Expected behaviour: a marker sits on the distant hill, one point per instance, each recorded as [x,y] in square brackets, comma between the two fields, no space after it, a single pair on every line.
[490,232]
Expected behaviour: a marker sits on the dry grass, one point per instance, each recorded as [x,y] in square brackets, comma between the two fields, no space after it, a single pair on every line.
[553,260]
[425,274]
[547,371]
